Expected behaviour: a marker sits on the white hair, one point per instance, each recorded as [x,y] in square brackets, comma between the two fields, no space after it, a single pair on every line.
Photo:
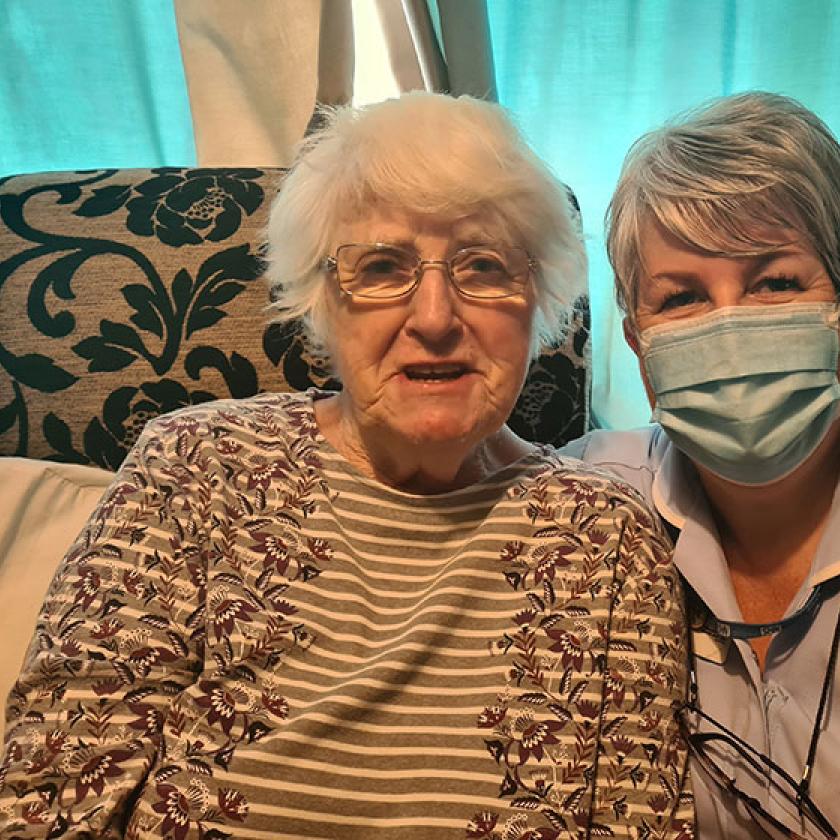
[433,155]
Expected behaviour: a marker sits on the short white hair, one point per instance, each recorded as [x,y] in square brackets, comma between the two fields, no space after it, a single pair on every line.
[434,155]
[721,177]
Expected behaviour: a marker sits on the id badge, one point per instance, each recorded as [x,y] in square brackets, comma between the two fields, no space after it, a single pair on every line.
[711,648]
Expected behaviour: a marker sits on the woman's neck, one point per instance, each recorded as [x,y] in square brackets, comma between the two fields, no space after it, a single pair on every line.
[770,534]
[769,523]
[423,468]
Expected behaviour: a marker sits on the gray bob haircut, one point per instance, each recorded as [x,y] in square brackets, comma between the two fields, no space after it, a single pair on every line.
[721,178]
[433,155]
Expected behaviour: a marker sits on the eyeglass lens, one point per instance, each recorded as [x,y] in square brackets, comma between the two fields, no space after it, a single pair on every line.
[380,271]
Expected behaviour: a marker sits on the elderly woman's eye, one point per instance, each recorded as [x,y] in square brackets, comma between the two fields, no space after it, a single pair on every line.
[485,263]
[678,299]
[481,266]
[381,266]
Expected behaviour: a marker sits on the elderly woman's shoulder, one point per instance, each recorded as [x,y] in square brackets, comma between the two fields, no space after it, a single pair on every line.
[593,507]
[263,414]
[573,470]
[569,468]
[634,455]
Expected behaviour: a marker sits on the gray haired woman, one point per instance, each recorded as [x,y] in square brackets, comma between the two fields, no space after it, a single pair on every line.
[723,233]
[377,612]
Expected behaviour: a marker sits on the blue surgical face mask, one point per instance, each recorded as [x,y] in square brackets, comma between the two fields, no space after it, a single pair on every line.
[748,392]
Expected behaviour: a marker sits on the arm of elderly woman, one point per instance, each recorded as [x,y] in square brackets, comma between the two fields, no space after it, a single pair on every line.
[155,677]
[116,642]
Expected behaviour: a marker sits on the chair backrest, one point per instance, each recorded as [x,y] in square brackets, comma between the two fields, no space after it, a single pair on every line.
[125,294]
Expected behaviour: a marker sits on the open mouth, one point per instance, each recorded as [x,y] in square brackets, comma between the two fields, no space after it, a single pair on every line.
[434,373]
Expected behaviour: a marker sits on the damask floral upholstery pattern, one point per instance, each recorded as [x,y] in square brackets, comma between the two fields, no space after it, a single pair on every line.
[125,294]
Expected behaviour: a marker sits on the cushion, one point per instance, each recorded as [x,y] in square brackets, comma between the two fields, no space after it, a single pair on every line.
[43,507]
[125,294]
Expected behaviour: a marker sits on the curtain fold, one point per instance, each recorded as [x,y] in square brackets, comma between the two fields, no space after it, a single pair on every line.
[336,53]
[451,42]
[465,35]
[251,70]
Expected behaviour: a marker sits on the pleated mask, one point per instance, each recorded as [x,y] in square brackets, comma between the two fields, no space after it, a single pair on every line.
[747,391]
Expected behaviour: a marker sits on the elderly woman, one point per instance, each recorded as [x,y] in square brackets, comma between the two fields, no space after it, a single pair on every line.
[723,233]
[376,613]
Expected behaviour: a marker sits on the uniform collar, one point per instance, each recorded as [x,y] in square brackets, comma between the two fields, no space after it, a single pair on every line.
[677,494]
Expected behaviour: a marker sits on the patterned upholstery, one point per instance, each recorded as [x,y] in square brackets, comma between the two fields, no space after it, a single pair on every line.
[125,294]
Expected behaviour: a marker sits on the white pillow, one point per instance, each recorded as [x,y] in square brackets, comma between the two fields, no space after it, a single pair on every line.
[43,507]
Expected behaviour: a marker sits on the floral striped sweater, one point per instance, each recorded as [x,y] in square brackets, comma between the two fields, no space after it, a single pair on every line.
[250,639]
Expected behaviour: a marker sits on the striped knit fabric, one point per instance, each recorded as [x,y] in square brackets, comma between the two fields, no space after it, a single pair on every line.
[250,639]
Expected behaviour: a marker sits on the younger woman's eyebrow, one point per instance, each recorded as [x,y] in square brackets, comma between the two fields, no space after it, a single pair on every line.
[673,275]
[761,261]
[756,262]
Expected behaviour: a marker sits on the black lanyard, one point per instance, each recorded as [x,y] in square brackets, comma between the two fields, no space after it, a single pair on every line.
[704,620]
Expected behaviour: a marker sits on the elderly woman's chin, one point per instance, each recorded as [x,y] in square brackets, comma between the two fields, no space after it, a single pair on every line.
[449,417]
[432,418]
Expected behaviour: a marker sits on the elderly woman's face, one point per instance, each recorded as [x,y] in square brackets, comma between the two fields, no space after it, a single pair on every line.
[434,366]
[681,282]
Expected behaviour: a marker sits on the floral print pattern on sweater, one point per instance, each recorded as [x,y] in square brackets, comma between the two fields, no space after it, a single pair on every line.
[248,639]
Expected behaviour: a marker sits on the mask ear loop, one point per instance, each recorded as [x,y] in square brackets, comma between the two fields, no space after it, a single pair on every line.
[833,318]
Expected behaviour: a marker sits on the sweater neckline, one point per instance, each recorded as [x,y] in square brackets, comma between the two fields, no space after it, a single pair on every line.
[502,478]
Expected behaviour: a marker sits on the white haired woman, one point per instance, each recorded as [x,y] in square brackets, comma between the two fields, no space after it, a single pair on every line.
[376,612]
[723,234]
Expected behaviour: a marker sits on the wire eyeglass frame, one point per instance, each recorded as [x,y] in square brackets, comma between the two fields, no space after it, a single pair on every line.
[797,793]
[517,279]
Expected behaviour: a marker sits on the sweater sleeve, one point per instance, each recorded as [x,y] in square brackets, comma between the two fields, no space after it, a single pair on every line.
[120,634]
[644,679]
[586,731]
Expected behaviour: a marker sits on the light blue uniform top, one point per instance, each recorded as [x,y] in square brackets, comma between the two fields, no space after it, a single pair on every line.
[774,714]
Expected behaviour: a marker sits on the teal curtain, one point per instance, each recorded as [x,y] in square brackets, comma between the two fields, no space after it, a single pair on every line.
[98,83]
[584,79]
[88,84]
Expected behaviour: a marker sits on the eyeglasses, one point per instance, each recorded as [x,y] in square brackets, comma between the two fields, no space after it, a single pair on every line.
[797,793]
[386,272]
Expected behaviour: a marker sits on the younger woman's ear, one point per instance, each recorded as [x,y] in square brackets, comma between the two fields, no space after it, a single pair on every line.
[630,334]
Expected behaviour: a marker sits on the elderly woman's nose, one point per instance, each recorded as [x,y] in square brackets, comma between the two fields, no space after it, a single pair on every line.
[433,307]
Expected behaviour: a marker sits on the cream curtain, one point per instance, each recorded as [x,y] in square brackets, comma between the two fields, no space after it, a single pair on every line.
[251,70]
[256,68]
[442,46]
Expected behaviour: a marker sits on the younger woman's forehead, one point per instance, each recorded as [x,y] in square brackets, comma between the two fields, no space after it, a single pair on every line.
[766,242]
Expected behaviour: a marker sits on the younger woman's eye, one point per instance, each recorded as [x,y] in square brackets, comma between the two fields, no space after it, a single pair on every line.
[678,299]
[778,284]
